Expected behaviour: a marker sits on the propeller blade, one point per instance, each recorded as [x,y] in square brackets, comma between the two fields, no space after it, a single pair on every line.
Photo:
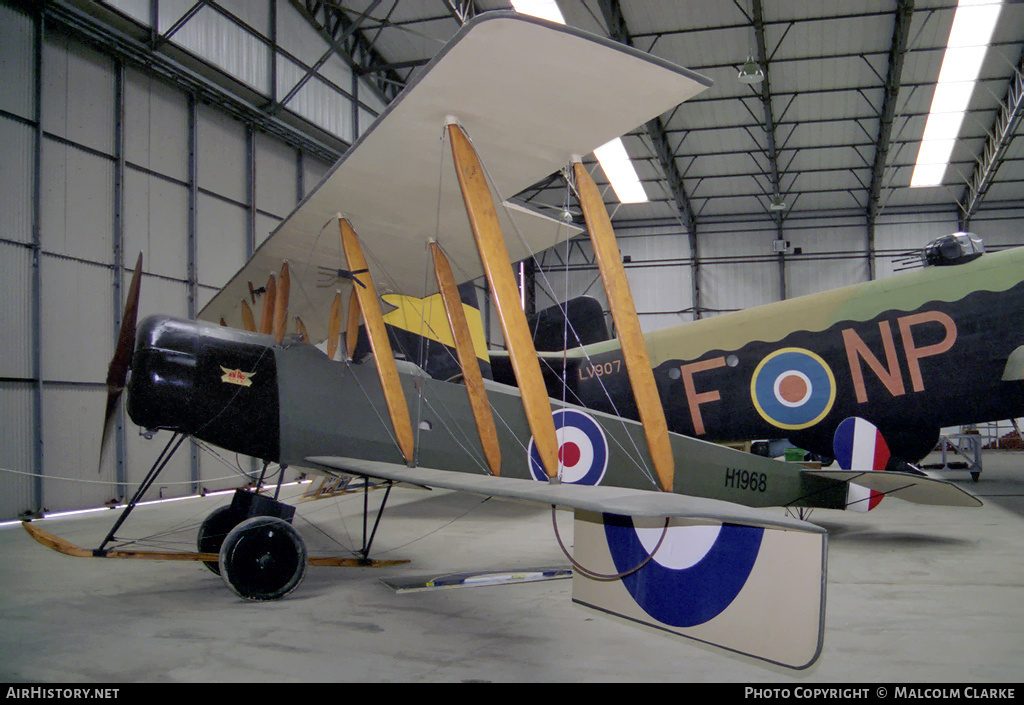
[248,321]
[269,299]
[281,305]
[117,372]
[108,425]
[334,327]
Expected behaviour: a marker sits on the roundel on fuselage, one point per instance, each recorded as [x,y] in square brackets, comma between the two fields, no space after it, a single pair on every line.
[793,388]
[582,449]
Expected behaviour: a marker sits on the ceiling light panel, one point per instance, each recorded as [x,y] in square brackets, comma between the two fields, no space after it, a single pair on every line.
[969,37]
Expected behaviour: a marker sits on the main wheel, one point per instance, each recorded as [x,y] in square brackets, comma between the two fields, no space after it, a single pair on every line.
[214,529]
[263,558]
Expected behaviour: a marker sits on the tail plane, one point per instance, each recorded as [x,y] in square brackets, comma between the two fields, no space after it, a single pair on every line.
[861,452]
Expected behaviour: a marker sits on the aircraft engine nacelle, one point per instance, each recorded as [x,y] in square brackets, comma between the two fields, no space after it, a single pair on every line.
[214,383]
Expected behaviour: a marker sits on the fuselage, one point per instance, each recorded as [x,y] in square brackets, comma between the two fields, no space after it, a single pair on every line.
[286,403]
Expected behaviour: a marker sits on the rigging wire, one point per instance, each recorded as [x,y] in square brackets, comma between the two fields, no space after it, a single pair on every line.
[440,528]
[606,576]
[636,455]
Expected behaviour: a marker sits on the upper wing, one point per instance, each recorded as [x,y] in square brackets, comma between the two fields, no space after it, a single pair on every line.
[529,93]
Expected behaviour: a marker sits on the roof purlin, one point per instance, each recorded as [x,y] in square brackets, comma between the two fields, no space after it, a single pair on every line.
[1003,130]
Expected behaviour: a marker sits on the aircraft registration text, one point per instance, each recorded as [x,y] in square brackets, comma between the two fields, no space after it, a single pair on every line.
[601,369]
[746,480]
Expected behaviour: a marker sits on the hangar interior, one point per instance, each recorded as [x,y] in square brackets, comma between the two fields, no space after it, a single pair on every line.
[188,130]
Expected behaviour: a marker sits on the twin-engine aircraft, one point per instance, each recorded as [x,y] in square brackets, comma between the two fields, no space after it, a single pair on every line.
[940,346]
[937,347]
[670,531]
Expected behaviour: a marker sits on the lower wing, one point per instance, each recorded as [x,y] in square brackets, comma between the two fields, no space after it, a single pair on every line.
[739,578]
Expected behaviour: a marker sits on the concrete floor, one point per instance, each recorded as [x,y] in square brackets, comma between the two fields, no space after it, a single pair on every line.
[915,594]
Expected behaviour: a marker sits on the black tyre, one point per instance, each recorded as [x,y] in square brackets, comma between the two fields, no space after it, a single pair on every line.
[213,531]
[263,558]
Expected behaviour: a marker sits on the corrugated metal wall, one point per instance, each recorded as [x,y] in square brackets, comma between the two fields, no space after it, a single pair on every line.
[117,149]
[737,266]
[20,396]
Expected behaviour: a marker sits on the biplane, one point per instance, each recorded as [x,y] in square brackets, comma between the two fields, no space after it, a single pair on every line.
[670,531]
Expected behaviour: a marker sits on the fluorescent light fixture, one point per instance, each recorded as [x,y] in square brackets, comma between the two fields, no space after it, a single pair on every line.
[620,172]
[544,9]
[612,156]
[973,25]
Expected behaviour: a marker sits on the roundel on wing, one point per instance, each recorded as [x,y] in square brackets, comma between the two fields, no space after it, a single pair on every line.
[695,574]
[582,450]
[793,388]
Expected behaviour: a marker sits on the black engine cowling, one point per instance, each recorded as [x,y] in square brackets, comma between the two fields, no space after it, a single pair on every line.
[214,383]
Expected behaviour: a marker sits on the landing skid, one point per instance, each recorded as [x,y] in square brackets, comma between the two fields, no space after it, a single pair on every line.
[250,543]
[62,545]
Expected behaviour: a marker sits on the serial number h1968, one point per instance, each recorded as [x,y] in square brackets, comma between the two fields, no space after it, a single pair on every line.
[746,480]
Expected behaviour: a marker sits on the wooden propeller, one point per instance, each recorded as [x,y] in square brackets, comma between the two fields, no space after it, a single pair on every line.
[117,371]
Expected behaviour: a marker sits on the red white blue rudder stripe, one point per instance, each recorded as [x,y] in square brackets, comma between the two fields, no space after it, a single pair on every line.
[859,445]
